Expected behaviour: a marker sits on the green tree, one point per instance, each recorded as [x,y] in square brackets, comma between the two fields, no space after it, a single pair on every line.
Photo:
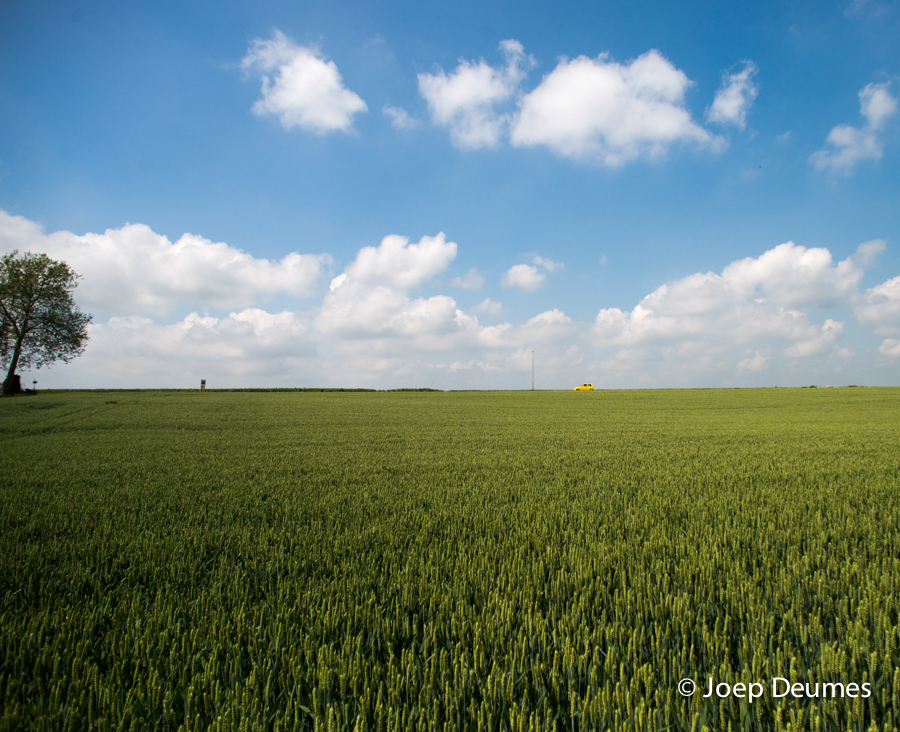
[40,321]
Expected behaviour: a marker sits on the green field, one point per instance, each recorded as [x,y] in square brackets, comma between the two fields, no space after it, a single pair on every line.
[506,560]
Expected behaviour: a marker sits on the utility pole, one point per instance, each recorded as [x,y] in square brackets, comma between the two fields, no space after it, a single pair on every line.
[532,370]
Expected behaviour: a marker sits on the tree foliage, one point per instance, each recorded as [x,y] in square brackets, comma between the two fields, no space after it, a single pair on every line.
[39,320]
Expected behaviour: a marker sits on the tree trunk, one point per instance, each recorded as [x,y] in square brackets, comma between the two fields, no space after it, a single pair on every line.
[12,384]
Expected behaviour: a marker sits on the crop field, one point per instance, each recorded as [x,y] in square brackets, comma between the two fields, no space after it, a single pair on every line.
[449,561]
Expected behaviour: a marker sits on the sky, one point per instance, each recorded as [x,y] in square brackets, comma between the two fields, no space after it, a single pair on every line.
[416,194]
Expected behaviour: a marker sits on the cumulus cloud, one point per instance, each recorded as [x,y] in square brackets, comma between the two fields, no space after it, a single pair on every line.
[369,298]
[467,366]
[135,271]
[368,306]
[465,100]
[867,253]
[757,362]
[301,87]
[828,335]
[249,347]
[471,280]
[755,320]
[529,276]
[249,332]
[356,310]
[398,264]
[595,110]
[685,310]
[608,112]
[792,276]
[850,145]
[734,97]
[367,328]
[879,307]
[379,331]
[488,307]
[549,325]
[524,276]
[752,300]
[400,119]
[548,264]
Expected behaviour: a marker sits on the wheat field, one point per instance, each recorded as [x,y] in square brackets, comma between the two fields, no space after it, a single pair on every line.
[448,561]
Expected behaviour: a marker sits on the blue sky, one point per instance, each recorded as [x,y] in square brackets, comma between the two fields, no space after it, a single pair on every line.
[645,194]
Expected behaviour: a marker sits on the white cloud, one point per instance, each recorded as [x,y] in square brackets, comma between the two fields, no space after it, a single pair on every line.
[357,310]
[757,362]
[850,145]
[382,333]
[250,347]
[734,97]
[529,276]
[369,298]
[673,315]
[753,323]
[607,112]
[400,119]
[548,264]
[398,264]
[790,275]
[877,105]
[135,271]
[338,281]
[471,280]
[488,307]
[465,100]
[753,300]
[867,252]
[365,330]
[366,308]
[587,109]
[674,365]
[307,91]
[879,307]
[525,276]
[467,366]
[829,334]
[550,324]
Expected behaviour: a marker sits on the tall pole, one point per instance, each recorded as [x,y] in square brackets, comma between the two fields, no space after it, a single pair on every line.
[532,370]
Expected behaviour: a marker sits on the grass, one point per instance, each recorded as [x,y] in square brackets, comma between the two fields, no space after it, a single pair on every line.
[415,560]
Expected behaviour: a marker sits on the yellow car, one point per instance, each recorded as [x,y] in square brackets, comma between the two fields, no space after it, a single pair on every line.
[584,387]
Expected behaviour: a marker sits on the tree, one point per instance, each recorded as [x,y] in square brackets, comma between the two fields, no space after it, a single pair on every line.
[40,321]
